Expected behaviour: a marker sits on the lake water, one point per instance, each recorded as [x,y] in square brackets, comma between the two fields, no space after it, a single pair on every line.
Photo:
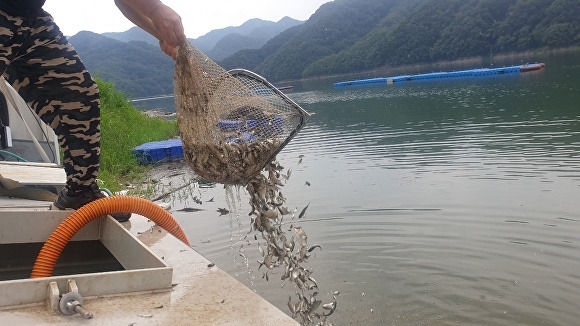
[435,203]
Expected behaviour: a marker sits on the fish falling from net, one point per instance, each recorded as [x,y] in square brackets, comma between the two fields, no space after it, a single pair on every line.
[286,249]
[232,125]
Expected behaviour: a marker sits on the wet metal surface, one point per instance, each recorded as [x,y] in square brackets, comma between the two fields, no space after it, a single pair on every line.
[200,295]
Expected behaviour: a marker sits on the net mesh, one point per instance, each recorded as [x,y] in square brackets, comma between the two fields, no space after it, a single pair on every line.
[231,123]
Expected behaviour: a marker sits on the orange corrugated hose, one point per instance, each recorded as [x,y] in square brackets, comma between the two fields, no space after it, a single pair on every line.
[52,248]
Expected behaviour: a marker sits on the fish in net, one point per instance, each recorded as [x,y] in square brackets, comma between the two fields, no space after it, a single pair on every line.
[232,123]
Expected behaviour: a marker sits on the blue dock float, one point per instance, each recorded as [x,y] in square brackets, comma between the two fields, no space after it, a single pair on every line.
[159,151]
[373,81]
[439,75]
[172,150]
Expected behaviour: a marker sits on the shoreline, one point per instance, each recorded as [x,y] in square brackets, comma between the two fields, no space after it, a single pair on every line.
[463,62]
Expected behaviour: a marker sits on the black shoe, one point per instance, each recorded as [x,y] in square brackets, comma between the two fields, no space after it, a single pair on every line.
[68,200]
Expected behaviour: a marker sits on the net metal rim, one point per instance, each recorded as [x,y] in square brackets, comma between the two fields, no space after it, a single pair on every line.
[304,115]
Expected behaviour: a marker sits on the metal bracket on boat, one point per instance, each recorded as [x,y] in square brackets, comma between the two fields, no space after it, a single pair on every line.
[53,296]
[70,303]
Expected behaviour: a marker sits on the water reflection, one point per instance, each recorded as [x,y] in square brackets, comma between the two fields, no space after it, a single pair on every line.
[455,125]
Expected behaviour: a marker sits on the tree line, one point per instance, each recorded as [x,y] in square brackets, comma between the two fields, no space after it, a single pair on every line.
[346,36]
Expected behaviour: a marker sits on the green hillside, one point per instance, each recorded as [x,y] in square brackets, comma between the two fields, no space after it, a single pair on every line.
[136,68]
[346,36]
[123,127]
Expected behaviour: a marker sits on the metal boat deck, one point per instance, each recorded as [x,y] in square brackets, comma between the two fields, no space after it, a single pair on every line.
[162,282]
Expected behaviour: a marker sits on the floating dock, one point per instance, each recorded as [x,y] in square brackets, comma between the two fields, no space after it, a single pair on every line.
[440,75]
[159,151]
[171,150]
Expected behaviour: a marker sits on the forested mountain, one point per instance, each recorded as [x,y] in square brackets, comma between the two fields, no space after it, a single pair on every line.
[133,61]
[221,43]
[137,68]
[345,36]
[353,35]
[133,34]
[334,27]
[253,34]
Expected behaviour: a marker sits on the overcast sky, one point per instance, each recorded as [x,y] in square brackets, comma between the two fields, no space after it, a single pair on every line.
[199,17]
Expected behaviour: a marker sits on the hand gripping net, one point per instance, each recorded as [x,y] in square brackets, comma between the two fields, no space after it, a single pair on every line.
[232,124]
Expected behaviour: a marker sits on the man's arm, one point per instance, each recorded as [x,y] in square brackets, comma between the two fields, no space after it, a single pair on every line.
[157,19]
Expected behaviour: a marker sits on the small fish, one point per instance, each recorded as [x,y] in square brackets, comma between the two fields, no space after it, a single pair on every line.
[289,246]
[283,210]
[301,215]
[303,255]
[313,285]
[301,236]
[223,211]
[299,283]
[291,306]
[211,200]
[272,214]
[268,261]
[307,183]
[197,200]
[314,247]
[189,209]
[329,306]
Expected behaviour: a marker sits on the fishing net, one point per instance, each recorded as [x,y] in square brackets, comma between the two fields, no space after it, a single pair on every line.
[232,123]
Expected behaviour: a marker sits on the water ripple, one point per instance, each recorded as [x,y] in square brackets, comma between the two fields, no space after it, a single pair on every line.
[437,203]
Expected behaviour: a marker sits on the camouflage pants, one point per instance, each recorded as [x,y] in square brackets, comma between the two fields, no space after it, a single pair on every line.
[37,60]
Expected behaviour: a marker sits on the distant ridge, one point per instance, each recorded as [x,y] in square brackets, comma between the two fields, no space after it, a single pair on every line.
[133,34]
[253,34]
[345,36]
[133,61]
[137,68]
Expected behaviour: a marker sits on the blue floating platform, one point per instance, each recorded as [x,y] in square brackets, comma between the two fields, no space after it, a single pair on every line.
[159,151]
[440,75]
